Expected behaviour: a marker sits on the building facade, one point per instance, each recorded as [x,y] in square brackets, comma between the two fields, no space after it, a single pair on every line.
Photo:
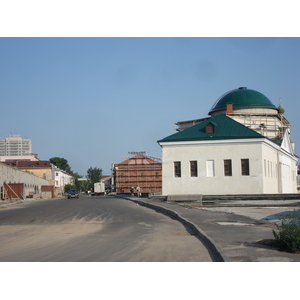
[41,168]
[14,145]
[32,185]
[61,179]
[141,170]
[107,180]
[44,169]
[244,147]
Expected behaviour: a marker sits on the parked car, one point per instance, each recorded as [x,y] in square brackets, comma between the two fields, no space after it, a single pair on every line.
[73,194]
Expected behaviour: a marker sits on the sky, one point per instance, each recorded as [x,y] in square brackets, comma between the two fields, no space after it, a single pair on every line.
[91,81]
[91,100]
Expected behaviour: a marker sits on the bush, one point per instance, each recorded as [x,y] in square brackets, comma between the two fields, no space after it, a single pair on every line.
[288,236]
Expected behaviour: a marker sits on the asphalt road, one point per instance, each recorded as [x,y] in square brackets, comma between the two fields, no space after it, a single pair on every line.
[94,229]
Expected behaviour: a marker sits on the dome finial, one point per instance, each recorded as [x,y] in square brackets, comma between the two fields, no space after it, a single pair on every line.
[280,108]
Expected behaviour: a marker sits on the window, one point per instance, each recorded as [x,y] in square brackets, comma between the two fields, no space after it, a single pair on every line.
[177,169]
[245,167]
[210,128]
[194,168]
[210,168]
[227,167]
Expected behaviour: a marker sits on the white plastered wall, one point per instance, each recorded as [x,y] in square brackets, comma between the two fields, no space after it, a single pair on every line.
[216,151]
[31,182]
[270,165]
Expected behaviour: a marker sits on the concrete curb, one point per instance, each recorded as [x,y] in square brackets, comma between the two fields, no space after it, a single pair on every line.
[214,250]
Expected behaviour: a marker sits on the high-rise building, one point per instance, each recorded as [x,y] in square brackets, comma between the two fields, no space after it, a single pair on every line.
[14,145]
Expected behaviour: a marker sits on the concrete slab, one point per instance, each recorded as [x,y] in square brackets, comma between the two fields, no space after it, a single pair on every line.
[237,234]
[271,214]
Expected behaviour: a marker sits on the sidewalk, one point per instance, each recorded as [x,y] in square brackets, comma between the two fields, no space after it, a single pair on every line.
[4,203]
[231,234]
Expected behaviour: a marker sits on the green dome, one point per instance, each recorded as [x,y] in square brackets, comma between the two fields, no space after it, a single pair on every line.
[242,98]
[281,109]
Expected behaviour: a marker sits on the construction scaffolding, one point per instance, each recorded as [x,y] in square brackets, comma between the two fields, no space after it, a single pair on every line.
[270,125]
[141,170]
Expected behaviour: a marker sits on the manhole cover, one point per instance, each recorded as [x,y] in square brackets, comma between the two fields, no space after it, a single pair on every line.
[235,223]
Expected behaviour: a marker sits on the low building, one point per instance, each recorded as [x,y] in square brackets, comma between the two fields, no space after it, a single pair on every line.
[140,170]
[106,179]
[244,147]
[61,179]
[30,157]
[18,184]
[41,168]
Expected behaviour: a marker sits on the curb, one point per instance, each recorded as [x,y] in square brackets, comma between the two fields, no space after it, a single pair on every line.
[214,251]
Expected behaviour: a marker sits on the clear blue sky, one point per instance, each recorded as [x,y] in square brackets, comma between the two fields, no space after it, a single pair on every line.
[91,100]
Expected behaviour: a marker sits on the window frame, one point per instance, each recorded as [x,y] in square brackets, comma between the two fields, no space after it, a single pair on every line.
[245,167]
[177,169]
[210,168]
[194,168]
[227,167]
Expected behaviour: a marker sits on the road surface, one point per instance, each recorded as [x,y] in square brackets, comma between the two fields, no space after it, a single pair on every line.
[94,229]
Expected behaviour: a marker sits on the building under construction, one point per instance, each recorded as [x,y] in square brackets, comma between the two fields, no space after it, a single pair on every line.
[140,170]
[250,108]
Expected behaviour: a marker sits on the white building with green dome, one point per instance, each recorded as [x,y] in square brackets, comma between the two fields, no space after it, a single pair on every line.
[242,147]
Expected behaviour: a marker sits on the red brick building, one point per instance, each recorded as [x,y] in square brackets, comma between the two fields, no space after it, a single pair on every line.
[141,170]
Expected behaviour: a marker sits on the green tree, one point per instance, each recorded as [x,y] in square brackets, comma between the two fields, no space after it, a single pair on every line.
[78,184]
[82,185]
[93,175]
[61,163]
[69,187]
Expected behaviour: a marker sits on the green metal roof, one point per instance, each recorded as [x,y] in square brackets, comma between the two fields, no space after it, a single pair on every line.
[224,128]
[277,141]
[242,97]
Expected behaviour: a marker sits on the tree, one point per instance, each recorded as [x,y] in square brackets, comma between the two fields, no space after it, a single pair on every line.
[61,163]
[78,184]
[70,187]
[93,175]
